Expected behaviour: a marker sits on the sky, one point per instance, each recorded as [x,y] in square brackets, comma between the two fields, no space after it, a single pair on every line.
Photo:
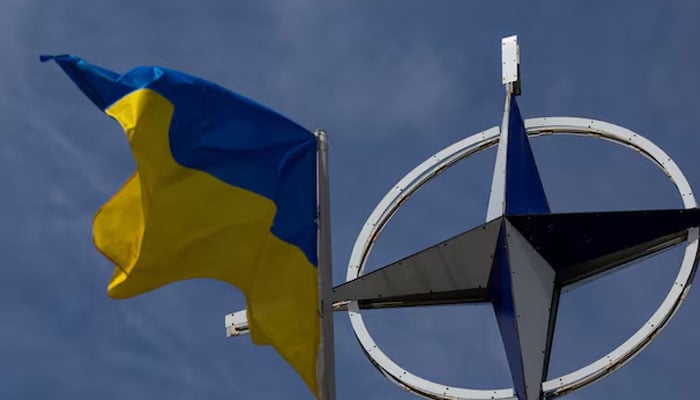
[392,83]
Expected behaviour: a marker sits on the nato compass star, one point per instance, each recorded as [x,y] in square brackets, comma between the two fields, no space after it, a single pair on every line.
[519,260]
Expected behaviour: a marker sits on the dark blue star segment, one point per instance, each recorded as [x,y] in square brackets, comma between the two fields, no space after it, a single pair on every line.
[524,191]
[583,245]
[501,287]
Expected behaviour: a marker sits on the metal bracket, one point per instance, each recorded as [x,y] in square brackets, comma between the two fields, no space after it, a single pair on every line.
[236,323]
[510,56]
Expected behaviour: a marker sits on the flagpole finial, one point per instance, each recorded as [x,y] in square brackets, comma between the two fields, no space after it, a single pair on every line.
[510,56]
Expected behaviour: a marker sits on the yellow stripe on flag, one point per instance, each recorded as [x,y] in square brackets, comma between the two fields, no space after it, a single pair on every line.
[170,223]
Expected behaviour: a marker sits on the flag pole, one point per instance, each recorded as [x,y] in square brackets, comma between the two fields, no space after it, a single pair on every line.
[325,367]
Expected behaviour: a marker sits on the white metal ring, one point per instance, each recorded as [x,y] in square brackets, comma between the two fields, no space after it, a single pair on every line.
[456,152]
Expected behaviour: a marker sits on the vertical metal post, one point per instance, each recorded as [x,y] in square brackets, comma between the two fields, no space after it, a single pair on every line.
[325,367]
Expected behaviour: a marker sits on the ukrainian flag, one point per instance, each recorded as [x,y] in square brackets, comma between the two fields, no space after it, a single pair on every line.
[224,188]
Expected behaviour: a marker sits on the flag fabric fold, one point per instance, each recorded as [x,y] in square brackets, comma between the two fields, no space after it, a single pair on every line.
[224,188]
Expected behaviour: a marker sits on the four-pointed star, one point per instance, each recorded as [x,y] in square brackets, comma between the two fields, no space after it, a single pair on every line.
[520,259]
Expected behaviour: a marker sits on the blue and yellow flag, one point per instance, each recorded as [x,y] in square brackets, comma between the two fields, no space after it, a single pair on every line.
[224,188]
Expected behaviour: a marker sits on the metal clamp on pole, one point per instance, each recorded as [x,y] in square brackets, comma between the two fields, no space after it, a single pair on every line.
[236,323]
[510,56]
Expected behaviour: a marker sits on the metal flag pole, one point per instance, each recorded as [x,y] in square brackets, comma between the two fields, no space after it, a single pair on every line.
[325,366]
[236,323]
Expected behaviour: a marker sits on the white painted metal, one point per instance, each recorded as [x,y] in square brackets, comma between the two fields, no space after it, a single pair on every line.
[386,208]
[510,56]
[447,157]
[236,323]
[325,365]
[497,198]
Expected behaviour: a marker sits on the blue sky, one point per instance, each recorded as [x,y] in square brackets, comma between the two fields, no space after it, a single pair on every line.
[392,83]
